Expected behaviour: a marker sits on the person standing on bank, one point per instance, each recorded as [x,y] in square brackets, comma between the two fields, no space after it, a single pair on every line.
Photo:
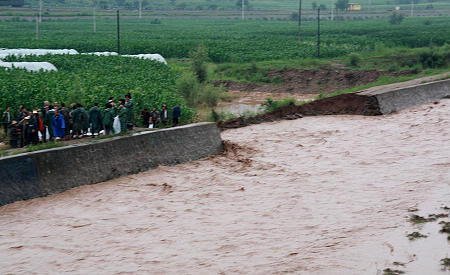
[77,120]
[154,118]
[176,114]
[6,119]
[85,117]
[48,121]
[14,134]
[58,125]
[108,118]
[145,115]
[129,104]
[164,115]
[66,115]
[38,125]
[95,119]
[123,114]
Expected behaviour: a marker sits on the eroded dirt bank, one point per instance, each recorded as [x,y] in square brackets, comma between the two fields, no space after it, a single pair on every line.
[297,81]
[318,195]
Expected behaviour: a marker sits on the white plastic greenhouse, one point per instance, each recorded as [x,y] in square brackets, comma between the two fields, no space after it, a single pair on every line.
[155,56]
[22,52]
[102,53]
[29,66]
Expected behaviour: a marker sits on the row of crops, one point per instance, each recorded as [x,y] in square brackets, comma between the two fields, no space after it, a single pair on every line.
[88,79]
[228,40]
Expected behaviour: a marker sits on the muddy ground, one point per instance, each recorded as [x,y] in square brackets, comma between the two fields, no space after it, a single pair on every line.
[317,81]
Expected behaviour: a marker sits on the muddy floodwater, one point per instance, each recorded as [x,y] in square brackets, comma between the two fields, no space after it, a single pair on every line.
[317,195]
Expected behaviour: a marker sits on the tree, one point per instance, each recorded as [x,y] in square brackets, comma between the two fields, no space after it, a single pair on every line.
[314,5]
[396,18]
[340,5]
[199,56]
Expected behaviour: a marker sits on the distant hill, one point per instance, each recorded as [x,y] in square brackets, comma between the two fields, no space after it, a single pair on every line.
[234,4]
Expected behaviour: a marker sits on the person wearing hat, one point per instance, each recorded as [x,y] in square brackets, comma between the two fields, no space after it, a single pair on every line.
[28,130]
[37,124]
[14,134]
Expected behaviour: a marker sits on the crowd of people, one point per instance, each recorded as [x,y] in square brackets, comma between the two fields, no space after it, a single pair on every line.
[57,122]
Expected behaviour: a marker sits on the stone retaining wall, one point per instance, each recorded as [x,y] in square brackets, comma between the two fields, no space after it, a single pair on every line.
[46,172]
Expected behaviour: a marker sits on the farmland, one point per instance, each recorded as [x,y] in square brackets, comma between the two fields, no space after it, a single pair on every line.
[89,79]
[228,40]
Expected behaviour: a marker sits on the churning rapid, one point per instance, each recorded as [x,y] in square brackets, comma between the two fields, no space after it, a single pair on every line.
[318,195]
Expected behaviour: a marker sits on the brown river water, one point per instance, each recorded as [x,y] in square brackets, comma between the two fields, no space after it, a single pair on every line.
[318,195]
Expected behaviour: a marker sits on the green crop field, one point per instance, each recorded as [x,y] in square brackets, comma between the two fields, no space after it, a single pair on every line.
[88,79]
[228,40]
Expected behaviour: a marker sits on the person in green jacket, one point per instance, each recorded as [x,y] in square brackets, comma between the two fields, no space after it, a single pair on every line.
[95,120]
[48,121]
[123,114]
[129,104]
[108,118]
[77,120]
[85,120]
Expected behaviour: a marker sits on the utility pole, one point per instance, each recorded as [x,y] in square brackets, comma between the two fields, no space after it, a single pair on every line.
[37,27]
[93,18]
[299,19]
[243,9]
[412,7]
[318,32]
[118,33]
[40,11]
[140,9]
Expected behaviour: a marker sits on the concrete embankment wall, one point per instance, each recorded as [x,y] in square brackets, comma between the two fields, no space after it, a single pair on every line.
[390,101]
[46,172]
[379,100]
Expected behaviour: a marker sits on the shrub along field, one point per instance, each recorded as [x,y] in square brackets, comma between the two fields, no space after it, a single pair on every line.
[88,79]
[228,40]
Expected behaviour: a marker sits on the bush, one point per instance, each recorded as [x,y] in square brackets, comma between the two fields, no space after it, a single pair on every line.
[210,95]
[188,88]
[272,105]
[294,16]
[354,59]
[396,18]
[199,56]
[195,93]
